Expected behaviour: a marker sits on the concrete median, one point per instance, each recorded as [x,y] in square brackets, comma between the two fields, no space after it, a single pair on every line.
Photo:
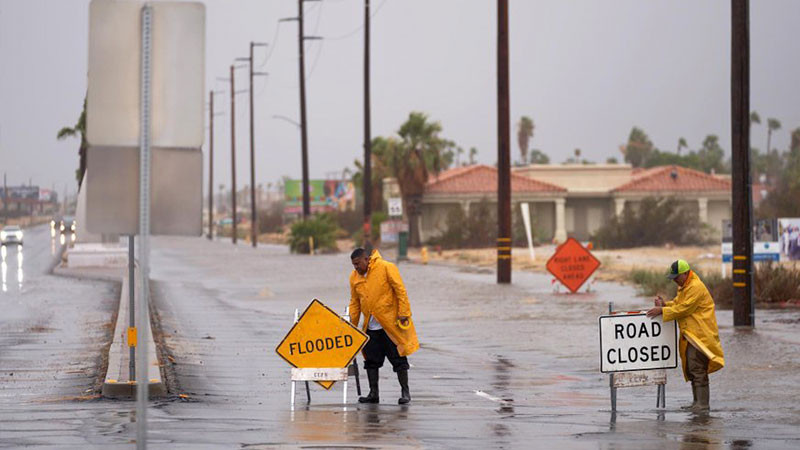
[119,382]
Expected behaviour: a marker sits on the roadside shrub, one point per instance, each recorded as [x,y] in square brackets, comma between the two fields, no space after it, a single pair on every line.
[774,284]
[474,230]
[321,227]
[270,220]
[350,221]
[454,233]
[650,283]
[655,222]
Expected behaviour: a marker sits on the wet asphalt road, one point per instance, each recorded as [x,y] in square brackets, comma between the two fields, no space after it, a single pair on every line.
[500,367]
[52,333]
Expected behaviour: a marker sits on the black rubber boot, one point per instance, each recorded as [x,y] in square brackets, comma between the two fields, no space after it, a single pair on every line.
[372,397]
[694,399]
[405,395]
[702,399]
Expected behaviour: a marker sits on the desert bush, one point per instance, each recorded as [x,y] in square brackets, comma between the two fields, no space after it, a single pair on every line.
[270,220]
[652,282]
[773,284]
[655,222]
[321,227]
[350,221]
[474,230]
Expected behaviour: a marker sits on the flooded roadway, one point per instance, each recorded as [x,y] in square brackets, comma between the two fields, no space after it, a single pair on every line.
[500,367]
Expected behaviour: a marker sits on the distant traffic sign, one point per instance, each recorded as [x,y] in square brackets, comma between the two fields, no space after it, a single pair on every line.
[572,264]
[321,339]
[395,207]
[636,342]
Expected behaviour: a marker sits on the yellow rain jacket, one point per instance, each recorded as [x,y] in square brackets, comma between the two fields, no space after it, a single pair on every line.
[381,294]
[693,308]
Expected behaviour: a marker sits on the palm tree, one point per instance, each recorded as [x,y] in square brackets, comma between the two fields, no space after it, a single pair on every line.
[79,129]
[418,153]
[755,118]
[459,151]
[525,129]
[472,153]
[772,125]
[681,144]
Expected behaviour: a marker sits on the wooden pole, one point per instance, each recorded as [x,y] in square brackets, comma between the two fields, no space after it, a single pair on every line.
[743,305]
[503,148]
[233,152]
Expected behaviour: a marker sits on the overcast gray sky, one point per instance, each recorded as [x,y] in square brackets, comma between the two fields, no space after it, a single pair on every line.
[586,71]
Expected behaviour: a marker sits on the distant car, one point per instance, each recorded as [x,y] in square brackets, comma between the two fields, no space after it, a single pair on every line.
[11,235]
[67,224]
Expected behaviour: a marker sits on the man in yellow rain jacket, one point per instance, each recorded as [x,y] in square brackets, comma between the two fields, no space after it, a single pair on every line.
[377,292]
[693,308]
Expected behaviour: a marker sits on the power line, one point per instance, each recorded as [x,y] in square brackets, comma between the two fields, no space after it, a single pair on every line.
[316,59]
[273,44]
[361,27]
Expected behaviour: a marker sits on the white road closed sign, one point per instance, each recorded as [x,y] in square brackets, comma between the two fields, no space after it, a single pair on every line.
[636,342]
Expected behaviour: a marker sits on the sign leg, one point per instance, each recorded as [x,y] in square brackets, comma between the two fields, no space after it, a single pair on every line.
[358,382]
[308,393]
[613,393]
[344,394]
[294,389]
[658,396]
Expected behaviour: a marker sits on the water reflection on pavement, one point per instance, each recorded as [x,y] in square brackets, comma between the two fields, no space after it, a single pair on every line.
[500,367]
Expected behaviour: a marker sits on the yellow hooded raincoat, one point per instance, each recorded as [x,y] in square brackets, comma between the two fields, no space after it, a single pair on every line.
[381,294]
[693,308]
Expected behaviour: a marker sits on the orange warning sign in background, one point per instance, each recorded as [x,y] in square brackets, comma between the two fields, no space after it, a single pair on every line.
[572,264]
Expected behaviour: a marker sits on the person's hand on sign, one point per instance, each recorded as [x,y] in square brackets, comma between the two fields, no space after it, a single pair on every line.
[659,301]
[653,312]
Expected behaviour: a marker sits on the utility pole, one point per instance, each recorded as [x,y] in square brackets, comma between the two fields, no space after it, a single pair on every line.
[253,206]
[367,186]
[233,150]
[743,305]
[5,199]
[210,165]
[301,38]
[503,149]
[303,122]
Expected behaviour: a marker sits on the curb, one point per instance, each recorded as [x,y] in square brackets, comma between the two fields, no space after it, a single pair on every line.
[117,383]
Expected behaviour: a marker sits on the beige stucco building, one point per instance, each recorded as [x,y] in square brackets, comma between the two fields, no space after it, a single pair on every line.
[574,199]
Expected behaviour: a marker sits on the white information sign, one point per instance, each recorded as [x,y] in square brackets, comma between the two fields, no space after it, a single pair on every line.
[636,342]
[395,207]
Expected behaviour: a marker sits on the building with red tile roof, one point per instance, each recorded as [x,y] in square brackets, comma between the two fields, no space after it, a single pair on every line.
[574,199]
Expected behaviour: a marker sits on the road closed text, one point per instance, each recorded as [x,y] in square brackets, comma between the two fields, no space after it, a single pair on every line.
[635,342]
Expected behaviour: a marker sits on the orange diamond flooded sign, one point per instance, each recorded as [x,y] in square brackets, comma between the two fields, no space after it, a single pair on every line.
[321,339]
[572,264]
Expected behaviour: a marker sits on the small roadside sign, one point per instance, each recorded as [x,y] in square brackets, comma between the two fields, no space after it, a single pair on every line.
[395,207]
[391,229]
[321,339]
[636,342]
[572,264]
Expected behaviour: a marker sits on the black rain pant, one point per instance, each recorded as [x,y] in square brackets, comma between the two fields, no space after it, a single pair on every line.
[380,347]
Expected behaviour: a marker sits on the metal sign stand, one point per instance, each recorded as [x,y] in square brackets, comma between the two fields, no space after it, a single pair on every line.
[131,308]
[661,389]
[325,374]
[144,228]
